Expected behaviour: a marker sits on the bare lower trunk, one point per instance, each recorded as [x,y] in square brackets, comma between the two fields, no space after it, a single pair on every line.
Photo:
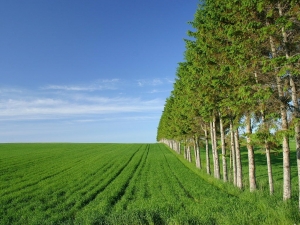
[297,128]
[239,176]
[207,151]
[284,128]
[197,153]
[251,162]
[270,174]
[174,145]
[296,117]
[233,154]
[184,151]
[286,150]
[224,163]
[286,167]
[268,156]
[214,149]
[189,158]
[217,163]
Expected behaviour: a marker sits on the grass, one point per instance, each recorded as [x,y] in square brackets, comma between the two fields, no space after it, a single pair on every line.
[288,209]
[125,184]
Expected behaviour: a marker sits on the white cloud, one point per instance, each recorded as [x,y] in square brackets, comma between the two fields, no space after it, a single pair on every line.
[66,113]
[118,118]
[158,91]
[70,88]
[146,82]
[153,82]
[95,86]
[157,82]
[9,90]
[169,80]
[36,107]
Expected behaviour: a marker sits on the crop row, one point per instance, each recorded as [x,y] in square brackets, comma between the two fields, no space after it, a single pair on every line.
[57,188]
[117,184]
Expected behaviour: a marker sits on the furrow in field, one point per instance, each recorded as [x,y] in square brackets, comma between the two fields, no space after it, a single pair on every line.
[103,203]
[52,169]
[92,194]
[80,199]
[61,193]
[48,199]
[33,183]
[160,180]
[54,187]
[135,171]
[40,168]
[43,171]
[162,197]
[181,185]
[139,187]
[131,186]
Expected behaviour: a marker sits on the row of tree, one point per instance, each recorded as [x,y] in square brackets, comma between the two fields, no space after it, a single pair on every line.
[242,67]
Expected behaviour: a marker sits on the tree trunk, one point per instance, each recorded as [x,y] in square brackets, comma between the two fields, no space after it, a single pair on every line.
[175,145]
[239,175]
[295,116]
[297,127]
[212,147]
[284,128]
[224,163]
[214,150]
[189,154]
[268,156]
[207,151]
[270,174]
[233,154]
[184,151]
[251,162]
[217,163]
[197,153]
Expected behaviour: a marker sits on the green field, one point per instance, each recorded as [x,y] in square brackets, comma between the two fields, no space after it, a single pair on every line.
[122,184]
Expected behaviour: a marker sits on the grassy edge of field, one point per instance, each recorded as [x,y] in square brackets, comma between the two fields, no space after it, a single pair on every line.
[283,212]
[225,187]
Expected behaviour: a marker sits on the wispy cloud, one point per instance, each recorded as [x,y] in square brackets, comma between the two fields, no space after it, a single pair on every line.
[98,85]
[36,107]
[9,90]
[170,80]
[159,91]
[152,82]
[118,118]
[94,111]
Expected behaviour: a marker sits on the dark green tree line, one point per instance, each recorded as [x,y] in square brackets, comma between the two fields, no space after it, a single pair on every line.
[241,69]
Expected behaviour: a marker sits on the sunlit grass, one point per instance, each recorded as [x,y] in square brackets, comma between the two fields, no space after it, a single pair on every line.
[125,184]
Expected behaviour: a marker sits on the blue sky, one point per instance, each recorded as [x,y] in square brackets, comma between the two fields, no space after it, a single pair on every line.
[88,71]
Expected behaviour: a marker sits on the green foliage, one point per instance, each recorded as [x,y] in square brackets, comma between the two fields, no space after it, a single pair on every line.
[238,63]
